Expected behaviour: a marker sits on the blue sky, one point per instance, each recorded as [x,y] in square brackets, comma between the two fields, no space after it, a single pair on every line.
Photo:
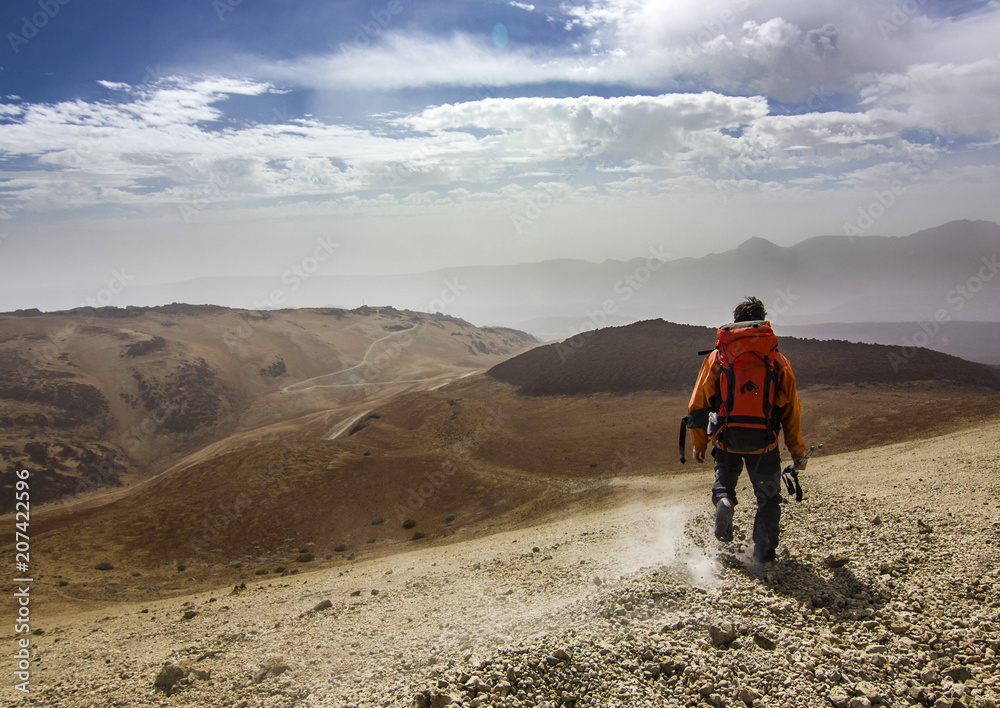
[224,137]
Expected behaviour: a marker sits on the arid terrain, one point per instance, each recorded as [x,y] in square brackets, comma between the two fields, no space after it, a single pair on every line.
[885,593]
[97,399]
[528,535]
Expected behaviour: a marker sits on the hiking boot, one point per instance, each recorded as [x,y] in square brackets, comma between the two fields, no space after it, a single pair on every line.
[724,520]
[763,557]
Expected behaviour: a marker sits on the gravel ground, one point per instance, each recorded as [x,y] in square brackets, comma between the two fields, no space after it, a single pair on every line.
[886,592]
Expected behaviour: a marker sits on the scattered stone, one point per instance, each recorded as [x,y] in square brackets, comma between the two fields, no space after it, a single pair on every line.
[324,605]
[190,614]
[274,666]
[923,527]
[722,634]
[764,642]
[959,674]
[168,677]
[837,560]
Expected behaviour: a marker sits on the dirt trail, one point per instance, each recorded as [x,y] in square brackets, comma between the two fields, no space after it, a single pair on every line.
[863,606]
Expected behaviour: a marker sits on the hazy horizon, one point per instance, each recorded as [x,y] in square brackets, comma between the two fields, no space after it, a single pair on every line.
[178,141]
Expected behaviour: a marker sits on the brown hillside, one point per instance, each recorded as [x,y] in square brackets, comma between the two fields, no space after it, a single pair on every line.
[92,399]
[661,356]
[468,459]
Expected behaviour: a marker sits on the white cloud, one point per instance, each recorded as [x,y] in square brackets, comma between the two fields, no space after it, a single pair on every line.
[629,129]
[947,98]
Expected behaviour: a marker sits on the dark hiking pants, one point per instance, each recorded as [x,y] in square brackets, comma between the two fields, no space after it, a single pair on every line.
[765,476]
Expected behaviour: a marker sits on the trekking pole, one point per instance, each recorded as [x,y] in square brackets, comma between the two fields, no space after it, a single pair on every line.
[790,475]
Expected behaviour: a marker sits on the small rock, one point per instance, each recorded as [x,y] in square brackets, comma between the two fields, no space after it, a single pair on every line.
[324,605]
[837,560]
[922,527]
[274,666]
[749,695]
[867,690]
[722,634]
[959,674]
[860,702]
[168,677]
[190,614]
[838,697]
[440,700]
[764,642]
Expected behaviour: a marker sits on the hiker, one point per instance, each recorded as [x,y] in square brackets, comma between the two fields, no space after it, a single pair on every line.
[758,399]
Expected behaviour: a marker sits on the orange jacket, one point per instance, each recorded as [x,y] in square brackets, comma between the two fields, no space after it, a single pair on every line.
[786,401]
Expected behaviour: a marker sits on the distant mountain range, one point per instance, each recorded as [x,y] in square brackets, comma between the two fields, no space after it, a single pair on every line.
[946,274]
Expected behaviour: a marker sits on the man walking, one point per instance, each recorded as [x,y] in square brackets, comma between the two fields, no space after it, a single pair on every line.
[744,395]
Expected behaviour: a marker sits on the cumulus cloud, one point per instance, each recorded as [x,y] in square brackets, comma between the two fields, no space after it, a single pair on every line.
[947,98]
[631,128]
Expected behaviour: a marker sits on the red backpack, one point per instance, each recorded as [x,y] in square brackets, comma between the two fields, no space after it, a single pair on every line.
[746,388]
[744,417]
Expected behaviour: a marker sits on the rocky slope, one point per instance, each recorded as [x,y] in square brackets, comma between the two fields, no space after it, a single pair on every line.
[91,399]
[886,592]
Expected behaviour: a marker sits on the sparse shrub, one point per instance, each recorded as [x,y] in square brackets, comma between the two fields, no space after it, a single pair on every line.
[409,524]
[303,550]
[262,571]
[63,583]
[417,536]
[371,539]
[280,569]
[104,565]
[378,522]
[304,557]
[136,575]
[181,567]
[293,571]
[340,548]
[351,557]
[448,519]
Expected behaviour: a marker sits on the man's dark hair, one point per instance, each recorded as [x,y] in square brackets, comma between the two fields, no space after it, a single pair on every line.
[751,309]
